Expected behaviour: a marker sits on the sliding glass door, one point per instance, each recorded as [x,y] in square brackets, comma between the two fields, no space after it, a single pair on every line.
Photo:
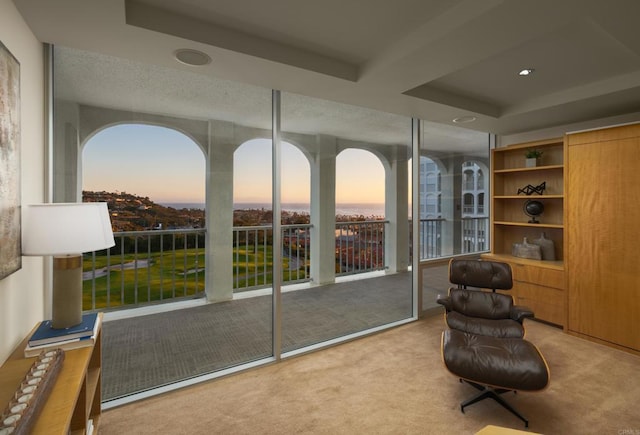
[183,161]
[350,180]
[454,201]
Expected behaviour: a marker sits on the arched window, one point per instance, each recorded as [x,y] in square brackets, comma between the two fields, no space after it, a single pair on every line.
[360,188]
[252,180]
[468,181]
[158,163]
[469,205]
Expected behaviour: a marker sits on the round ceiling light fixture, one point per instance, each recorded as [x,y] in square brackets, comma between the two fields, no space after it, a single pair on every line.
[526,72]
[464,119]
[191,57]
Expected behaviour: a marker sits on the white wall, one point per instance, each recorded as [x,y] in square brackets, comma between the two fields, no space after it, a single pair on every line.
[22,293]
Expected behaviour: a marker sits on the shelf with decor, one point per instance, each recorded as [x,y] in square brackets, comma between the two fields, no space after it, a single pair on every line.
[515,185]
[527,225]
[512,211]
[538,283]
[530,169]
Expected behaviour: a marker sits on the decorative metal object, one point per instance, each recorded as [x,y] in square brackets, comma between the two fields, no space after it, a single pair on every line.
[530,189]
[533,209]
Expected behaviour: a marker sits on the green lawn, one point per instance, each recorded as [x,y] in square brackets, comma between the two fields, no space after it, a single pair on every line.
[165,278]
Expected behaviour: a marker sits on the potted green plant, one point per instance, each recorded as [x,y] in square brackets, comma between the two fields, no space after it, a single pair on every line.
[532,155]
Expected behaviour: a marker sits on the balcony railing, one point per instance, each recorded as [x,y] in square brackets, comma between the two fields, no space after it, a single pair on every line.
[253,254]
[359,247]
[475,231]
[430,238]
[147,267]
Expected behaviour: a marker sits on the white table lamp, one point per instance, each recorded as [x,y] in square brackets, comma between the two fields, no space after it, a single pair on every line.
[65,231]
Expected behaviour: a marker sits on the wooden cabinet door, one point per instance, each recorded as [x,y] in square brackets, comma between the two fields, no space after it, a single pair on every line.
[547,303]
[603,225]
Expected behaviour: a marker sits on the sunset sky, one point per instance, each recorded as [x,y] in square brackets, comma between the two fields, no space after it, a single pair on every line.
[168,167]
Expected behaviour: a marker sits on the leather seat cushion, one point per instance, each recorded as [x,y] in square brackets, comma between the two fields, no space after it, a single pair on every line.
[502,328]
[509,363]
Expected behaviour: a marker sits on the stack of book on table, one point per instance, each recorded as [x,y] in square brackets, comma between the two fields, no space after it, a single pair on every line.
[45,337]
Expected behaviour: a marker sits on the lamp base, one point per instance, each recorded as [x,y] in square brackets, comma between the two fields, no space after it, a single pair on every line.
[67,292]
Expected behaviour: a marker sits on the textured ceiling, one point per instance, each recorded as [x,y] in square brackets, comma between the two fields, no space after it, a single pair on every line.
[437,59]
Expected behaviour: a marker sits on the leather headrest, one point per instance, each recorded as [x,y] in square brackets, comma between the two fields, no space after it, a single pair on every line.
[480,274]
[485,305]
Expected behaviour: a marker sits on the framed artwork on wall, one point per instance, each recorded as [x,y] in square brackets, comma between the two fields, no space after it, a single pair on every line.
[10,230]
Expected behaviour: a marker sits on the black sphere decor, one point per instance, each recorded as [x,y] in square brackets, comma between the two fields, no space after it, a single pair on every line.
[533,209]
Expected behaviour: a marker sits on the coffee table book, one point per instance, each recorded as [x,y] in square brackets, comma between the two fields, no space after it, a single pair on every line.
[67,344]
[45,334]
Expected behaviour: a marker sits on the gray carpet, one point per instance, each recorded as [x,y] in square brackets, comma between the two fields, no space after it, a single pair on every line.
[144,352]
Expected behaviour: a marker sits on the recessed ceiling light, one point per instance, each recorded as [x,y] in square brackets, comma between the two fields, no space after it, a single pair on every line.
[526,72]
[191,57]
[464,119]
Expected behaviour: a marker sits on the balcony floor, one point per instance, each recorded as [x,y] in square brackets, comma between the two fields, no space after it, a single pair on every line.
[145,352]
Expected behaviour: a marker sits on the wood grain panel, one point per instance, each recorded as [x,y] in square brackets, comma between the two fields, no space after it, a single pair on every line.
[603,217]
[540,275]
[604,135]
[547,303]
[537,285]
[513,261]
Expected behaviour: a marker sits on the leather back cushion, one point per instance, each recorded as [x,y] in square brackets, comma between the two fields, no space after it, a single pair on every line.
[476,303]
[481,274]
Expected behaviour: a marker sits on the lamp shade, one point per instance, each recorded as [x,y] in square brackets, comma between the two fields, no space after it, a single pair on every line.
[66,228]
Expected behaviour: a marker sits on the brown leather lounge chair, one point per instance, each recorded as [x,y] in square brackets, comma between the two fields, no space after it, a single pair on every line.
[484,345]
[481,312]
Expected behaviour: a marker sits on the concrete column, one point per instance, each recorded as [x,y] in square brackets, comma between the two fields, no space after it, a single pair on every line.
[397,213]
[452,206]
[219,212]
[67,164]
[323,211]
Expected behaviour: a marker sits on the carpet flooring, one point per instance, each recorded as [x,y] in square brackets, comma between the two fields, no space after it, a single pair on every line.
[395,382]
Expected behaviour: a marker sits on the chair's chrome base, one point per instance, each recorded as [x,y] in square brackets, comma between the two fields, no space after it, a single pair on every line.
[493,393]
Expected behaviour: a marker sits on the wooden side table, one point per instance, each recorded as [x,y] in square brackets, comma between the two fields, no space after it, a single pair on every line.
[73,405]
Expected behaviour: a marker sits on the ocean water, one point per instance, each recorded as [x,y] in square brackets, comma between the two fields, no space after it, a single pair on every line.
[347,209]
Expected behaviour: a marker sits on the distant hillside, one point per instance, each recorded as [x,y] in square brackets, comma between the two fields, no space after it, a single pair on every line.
[135,213]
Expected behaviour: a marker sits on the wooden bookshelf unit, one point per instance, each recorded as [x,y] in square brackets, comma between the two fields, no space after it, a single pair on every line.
[74,402]
[538,284]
